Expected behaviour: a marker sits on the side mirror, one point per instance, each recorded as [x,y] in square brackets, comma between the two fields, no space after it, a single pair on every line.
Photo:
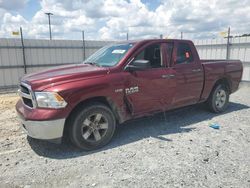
[139,64]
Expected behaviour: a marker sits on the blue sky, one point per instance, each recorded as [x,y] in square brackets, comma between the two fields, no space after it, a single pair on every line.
[112,19]
[151,4]
[30,9]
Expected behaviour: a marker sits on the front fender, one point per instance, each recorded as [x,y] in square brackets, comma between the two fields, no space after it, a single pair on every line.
[78,92]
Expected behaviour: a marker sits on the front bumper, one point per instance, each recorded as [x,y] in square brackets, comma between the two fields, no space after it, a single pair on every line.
[45,130]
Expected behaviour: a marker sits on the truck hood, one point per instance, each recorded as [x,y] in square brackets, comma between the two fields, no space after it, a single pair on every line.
[63,74]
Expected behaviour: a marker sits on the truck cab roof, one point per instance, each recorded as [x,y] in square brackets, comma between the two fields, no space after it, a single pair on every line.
[153,40]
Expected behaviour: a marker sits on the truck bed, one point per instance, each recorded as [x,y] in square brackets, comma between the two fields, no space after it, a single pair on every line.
[218,69]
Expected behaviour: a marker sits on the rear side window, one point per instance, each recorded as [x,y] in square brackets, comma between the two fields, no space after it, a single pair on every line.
[184,54]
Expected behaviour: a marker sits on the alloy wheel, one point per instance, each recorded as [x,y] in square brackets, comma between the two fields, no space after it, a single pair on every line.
[94,127]
[221,98]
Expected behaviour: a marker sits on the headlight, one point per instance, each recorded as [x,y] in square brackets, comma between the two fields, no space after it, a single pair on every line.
[49,100]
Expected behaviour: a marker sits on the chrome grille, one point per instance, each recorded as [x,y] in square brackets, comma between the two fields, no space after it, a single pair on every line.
[26,94]
[24,89]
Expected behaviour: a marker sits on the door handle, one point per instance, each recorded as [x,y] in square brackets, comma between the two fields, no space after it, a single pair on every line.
[196,70]
[168,76]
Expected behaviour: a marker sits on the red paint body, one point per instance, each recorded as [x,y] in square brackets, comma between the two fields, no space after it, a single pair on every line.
[78,83]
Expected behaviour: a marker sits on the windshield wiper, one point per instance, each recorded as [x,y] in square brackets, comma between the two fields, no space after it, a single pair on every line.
[93,63]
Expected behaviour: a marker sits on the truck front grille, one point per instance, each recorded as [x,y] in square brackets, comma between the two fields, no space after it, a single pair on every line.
[24,89]
[27,102]
[26,94]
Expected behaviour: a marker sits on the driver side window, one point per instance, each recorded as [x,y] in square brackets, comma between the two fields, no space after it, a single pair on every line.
[153,54]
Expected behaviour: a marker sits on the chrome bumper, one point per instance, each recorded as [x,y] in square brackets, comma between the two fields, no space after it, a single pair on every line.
[45,130]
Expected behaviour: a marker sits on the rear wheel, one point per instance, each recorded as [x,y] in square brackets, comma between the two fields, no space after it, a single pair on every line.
[219,99]
[93,127]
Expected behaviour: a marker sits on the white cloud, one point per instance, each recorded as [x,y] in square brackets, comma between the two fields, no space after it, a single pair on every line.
[8,18]
[112,19]
[9,23]
[196,18]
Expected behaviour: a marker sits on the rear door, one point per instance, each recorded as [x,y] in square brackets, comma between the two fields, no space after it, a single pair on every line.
[189,74]
[150,90]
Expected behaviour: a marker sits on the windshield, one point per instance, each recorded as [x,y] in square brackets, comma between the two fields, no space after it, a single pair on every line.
[109,55]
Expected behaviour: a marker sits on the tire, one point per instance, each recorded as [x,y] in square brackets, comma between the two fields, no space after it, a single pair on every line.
[219,99]
[92,127]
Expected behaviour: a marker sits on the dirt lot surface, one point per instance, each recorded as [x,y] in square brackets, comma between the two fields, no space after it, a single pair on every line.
[175,150]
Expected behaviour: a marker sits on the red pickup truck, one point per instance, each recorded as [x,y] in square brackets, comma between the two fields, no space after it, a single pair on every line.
[120,82]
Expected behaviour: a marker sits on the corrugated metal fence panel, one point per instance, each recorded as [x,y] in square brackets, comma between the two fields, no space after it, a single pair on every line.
[10,55]
[216,48]
[211,49]
[246,73]
[240,49]
[40,55]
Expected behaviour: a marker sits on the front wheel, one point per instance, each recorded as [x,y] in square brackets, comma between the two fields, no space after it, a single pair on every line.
[92,127]
[219,99]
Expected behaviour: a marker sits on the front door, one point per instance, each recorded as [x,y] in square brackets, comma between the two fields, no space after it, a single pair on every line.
[152,89]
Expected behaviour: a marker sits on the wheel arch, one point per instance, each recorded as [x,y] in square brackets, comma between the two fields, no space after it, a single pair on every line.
[100,99]
[209,101]
[226,82]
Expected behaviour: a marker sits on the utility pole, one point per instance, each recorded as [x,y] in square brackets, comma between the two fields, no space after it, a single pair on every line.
[228,43]
[127,35]
[161,36]
[181,35]
[49,14]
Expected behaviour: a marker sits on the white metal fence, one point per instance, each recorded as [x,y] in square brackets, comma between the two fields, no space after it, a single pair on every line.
[34,55]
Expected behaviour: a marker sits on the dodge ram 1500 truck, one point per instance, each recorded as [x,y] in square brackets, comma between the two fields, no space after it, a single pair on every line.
[120,82]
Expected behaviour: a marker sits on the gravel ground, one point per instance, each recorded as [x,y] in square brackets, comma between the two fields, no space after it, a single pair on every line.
[177,149]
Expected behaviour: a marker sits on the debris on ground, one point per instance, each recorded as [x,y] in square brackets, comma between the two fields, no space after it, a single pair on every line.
[214,125]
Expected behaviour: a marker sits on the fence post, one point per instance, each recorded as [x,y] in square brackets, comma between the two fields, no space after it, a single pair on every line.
[228,44]
[83,45]
[23,49]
